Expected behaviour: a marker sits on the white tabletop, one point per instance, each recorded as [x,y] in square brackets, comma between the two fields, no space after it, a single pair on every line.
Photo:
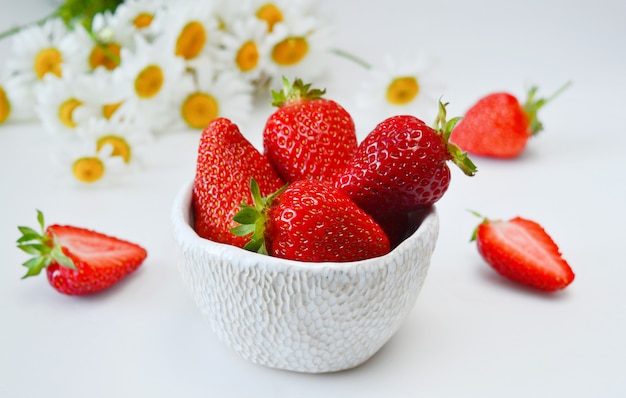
[470,334]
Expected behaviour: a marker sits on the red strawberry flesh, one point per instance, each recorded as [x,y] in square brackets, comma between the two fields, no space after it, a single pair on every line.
[521,250]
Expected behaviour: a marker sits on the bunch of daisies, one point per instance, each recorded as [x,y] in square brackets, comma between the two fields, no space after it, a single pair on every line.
[108,76]
[149,67]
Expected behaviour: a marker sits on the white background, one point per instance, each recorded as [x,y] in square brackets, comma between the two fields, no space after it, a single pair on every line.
[471,333]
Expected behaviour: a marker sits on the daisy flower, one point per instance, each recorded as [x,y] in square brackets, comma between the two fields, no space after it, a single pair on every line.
[99,89]
[273,12]
[400,86]
[150,76]
[137,17]
[298,50]
[59,106]
[49,49]
[192,31]
[126,139]
[85,164]
[16,99]
[245,48]
[214,95]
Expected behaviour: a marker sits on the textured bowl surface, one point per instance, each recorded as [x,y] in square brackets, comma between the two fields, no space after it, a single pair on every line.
[305,317]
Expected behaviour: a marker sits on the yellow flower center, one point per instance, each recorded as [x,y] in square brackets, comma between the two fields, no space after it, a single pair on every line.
[191,40]
[290,51]
[199,109]
[149,81]
[107,55]
[48,60]
[271,14]
[120,146]
[142,20]
[88,169]
[66,112]
[402,90]
[5,106]
[247,56]
[109,109]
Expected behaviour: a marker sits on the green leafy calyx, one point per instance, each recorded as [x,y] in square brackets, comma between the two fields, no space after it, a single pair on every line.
[45,249]
[532,106]
[444,128]
[296,91]
[252,218]
[484,219]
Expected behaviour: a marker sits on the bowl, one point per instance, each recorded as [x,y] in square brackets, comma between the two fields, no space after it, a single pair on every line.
[299,316]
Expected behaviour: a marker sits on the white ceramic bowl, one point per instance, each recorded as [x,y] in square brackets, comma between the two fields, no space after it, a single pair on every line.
[305,317]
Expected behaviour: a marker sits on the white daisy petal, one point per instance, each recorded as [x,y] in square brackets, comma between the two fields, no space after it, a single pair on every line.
[150,75]
[298,50]
[214,95]
[400,86]
[59,107]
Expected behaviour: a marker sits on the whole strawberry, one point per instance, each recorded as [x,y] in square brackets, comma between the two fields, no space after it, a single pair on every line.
[402,166]
[308,137]
[78,261]
[226,162]
[499,126]
[521,250]
[309,221]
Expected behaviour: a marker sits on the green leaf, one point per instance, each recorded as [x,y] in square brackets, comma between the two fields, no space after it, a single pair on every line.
[243,229]
[247,215]
[35,265]
[27,231]
[29,237]
[35,249]
[58,256]
[40,221]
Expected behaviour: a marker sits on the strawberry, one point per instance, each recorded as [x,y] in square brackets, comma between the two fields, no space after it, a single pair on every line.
[521,250]
[226,162]
[78,261]
[499,126]
[308,137]
[309,221]
[402,166]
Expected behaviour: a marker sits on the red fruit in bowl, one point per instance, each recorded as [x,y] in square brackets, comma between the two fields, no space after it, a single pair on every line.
[499,126]
[309,221]
[226,162]
[402,165]
[308,136]
[521,250]
[78,261]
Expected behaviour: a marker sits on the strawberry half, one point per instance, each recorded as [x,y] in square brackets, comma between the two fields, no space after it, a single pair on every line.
[499,126]
[226,162]
[308,137]
[78,261]
[402,166]
[521,250]
[309,221]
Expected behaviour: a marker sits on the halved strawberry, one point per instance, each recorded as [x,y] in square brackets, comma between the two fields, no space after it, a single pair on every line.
[78,261]
[521,250]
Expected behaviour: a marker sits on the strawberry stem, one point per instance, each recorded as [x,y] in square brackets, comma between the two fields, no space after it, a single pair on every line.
[44,249]
[532,106]
[252,218]
[296,91]
[444,128]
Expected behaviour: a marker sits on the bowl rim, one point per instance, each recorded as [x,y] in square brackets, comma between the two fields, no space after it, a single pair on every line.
[181,216]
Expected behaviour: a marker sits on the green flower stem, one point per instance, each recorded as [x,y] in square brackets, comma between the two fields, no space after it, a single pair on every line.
[351,57]
[17,29]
